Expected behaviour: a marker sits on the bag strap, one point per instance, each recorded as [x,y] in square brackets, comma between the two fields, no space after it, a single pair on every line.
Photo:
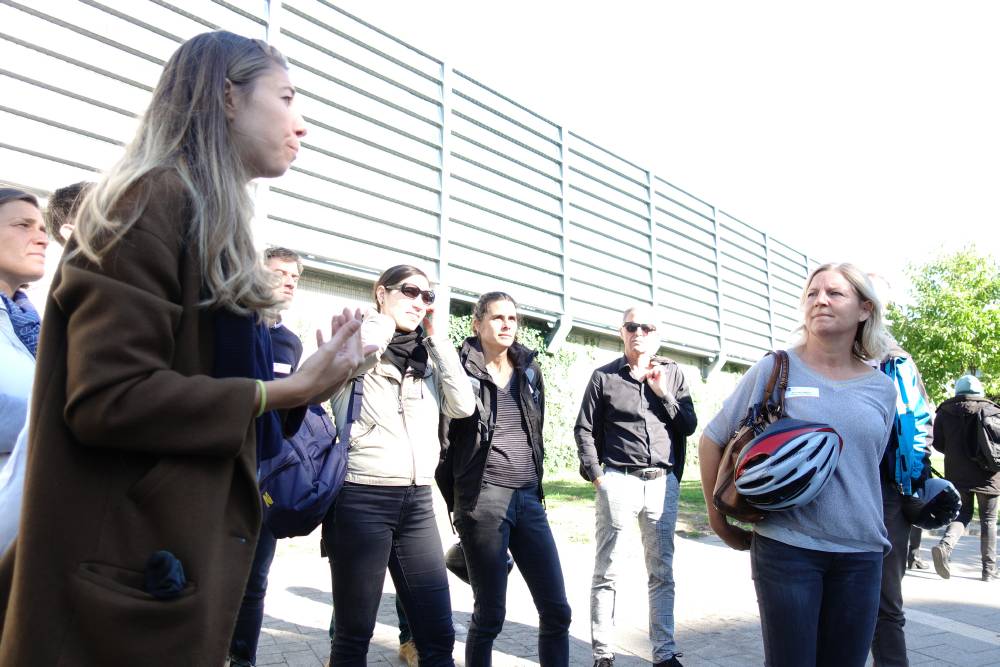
[353,409]
[891,368]
[778,381]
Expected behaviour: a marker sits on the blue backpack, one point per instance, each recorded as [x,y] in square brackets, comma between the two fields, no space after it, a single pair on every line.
[299,485]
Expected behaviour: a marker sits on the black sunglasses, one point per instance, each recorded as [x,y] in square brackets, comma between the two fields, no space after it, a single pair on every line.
[412,291]
[632,327]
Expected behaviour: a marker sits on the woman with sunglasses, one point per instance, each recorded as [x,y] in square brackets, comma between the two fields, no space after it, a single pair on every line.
[384,515]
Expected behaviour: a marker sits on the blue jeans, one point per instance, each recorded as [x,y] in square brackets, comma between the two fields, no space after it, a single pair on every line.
[816,607]
[243,646]
[370,528]
[624,498]
[513,519]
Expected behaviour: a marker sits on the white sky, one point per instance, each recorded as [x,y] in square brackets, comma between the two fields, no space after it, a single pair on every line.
[855,131]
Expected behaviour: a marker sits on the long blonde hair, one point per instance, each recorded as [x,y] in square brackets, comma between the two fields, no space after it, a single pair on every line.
[871,341]
[185,130]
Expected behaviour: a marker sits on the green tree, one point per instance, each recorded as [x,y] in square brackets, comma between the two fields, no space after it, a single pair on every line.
[952,326]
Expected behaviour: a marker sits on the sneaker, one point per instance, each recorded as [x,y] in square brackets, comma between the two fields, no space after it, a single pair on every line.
[990,575]
[917,564]
[673,662]
[605,662]
[408,654]
[941,561]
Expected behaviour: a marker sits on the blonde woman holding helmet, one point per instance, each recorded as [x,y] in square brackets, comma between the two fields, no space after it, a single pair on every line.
[817,567]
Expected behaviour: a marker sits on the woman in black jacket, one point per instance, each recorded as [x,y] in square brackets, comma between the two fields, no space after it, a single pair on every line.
[491,478]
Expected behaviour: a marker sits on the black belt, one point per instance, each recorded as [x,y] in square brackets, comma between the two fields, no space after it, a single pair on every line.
[642,472]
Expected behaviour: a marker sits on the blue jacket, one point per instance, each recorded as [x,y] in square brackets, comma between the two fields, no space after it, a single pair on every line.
[906,462]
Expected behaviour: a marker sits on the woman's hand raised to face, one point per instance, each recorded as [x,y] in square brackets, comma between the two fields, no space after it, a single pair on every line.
[428,321]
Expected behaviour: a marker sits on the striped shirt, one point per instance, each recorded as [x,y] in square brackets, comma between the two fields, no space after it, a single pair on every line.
[510,462]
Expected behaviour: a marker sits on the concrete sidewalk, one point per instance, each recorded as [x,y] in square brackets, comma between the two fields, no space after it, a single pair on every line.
[954,622]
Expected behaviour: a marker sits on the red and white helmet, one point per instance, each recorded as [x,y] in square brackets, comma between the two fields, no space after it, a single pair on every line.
[788,464]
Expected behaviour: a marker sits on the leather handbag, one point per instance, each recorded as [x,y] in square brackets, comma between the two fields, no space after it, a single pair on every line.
[760,415]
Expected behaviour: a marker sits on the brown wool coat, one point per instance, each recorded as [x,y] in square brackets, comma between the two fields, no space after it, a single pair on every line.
[133,449]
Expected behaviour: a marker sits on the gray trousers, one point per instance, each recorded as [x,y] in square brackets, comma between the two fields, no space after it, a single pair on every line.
[622,499]
[987,527]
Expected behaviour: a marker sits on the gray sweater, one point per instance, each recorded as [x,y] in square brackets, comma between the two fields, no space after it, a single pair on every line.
[847,514]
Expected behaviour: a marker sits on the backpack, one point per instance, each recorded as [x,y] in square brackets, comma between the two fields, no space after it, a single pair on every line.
[907,448]
[988,442]
[299,485]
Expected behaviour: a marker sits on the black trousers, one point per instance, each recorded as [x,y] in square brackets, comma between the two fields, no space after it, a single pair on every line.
[889,643]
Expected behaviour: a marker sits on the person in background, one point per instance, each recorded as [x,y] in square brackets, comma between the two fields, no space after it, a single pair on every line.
[60,212]
[491,477]
[817,567]
[955,436]
[287,351]
[22,260]
[384,515]
[155,394]
[631,438]
[904,468]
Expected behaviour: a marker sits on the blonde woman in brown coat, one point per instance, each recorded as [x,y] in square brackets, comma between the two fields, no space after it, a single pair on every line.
[152,397]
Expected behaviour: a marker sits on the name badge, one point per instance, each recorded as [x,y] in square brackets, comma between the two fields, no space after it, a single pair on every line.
[802,392]
[282,368]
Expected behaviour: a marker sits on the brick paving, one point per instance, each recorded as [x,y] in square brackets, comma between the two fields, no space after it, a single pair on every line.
[954,622]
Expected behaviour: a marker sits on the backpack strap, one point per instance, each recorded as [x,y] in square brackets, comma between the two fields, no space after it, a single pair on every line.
[353,409]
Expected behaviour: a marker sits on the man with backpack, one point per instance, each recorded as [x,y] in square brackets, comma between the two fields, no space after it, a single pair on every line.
[966,430]
[904,468]
[287,351]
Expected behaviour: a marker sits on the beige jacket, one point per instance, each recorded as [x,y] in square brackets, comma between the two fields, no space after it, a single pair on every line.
[395,440]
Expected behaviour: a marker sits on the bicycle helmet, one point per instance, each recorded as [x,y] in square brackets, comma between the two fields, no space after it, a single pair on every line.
[454,560]
[788,464]
[934,506]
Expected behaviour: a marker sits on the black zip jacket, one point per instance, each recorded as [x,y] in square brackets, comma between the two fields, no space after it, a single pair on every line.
[466,442]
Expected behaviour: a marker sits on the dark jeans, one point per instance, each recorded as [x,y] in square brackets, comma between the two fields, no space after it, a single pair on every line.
[889,643]
[404,628]
[816,607]
[987,526]
[370,528]
[251,615]
[513,519]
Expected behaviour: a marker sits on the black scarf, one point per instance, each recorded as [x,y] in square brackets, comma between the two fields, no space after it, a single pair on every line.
[406,350]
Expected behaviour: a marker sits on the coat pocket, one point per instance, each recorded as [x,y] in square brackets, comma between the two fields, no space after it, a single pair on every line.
[116,622]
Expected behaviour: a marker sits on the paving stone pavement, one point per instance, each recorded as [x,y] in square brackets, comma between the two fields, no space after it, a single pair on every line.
[954,622]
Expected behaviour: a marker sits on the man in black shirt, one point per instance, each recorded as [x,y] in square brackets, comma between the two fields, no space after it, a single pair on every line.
[635,417]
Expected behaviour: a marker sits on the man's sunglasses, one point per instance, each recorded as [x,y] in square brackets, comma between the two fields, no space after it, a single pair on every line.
[412,291]
[632,327]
